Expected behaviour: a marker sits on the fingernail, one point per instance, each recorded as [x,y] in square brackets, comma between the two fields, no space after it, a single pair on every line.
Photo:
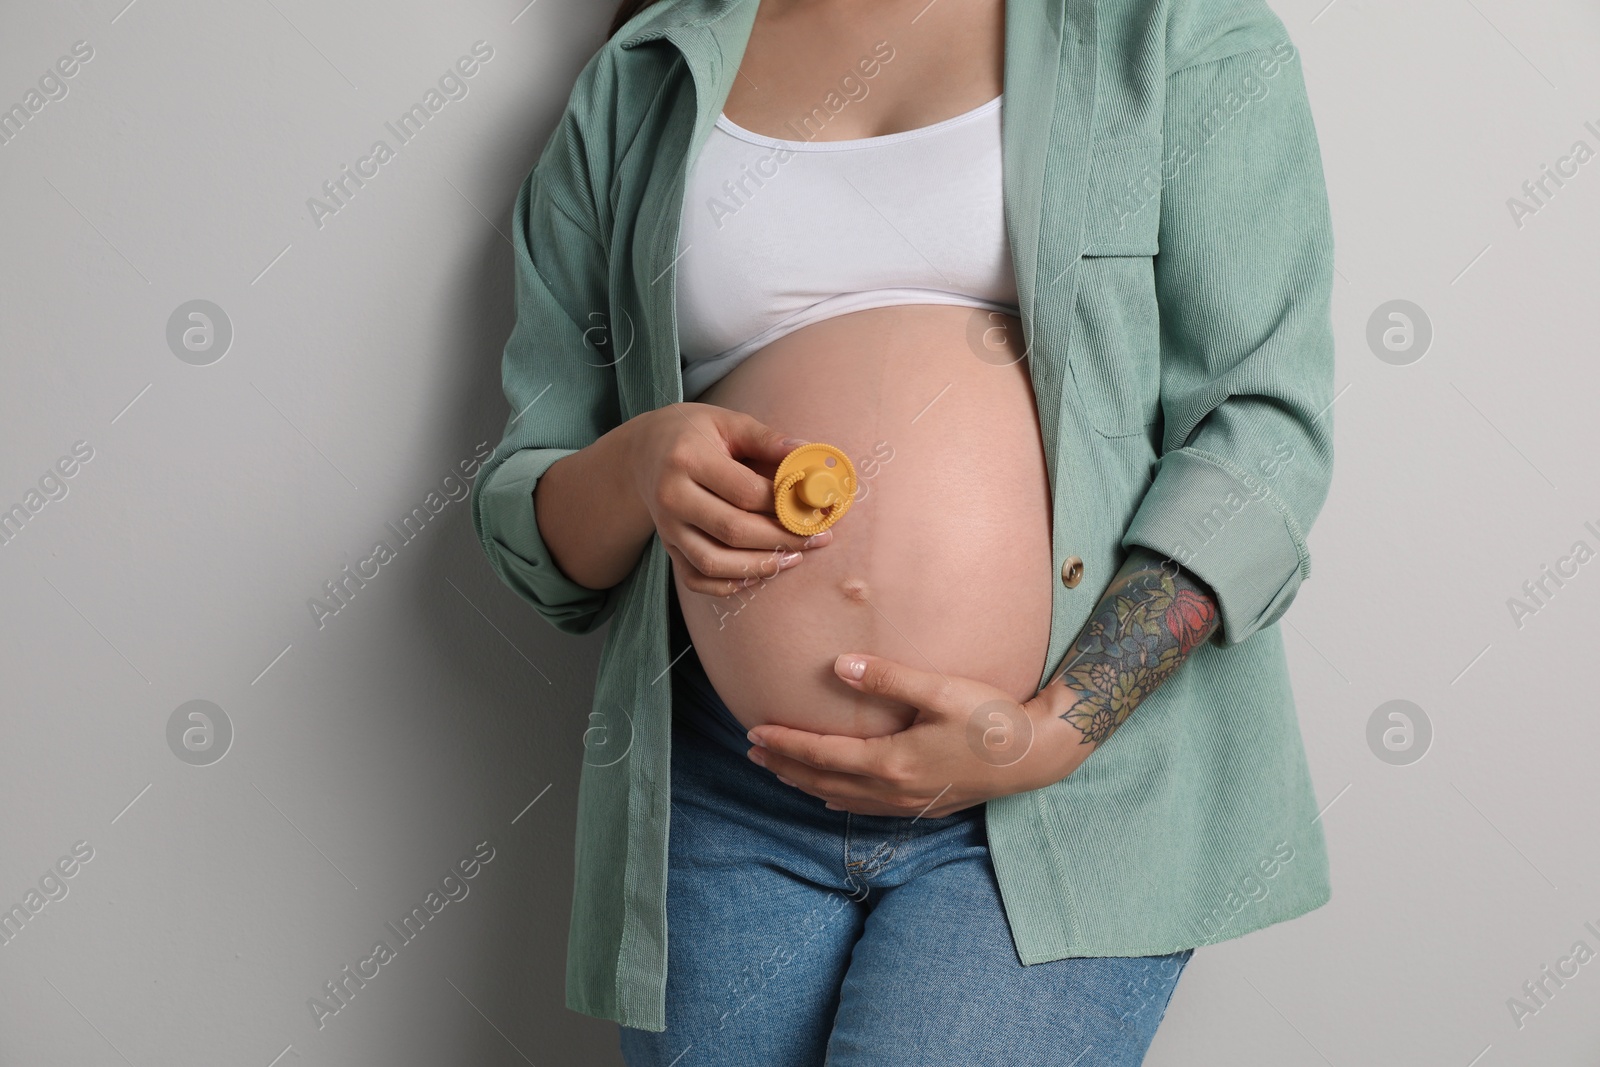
[852,667]
[757,755]
[793,442]
[754,738]
[817,539]
[786,782]
[788,559]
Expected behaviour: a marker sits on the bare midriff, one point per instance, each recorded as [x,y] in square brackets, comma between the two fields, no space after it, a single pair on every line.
[942,561]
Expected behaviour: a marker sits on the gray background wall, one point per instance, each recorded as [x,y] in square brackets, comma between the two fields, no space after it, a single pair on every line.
[435,712]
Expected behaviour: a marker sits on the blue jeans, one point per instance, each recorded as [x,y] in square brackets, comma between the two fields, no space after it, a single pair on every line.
[803,936]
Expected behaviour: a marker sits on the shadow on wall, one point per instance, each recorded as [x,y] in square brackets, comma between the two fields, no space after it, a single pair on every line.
[521,692]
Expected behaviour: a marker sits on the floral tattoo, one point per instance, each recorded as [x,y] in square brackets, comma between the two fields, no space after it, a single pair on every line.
[1148,621]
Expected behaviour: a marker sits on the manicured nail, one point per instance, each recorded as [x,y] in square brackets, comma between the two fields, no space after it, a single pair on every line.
[852,667]
[817,539]
[754,738]
[788,559]
[757,755]
[793,442]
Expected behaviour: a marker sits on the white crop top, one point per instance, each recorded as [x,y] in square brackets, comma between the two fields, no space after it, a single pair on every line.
[777,234]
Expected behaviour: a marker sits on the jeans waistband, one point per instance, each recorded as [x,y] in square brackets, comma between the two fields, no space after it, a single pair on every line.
[695,703]
[696,706]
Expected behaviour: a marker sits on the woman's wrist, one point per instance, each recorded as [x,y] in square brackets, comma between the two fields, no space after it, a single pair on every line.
[620,462]
[590,512]
[1062,745]
[1148,621]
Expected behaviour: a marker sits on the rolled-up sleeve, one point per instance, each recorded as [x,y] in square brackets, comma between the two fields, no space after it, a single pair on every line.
[557,374]
[1244,284]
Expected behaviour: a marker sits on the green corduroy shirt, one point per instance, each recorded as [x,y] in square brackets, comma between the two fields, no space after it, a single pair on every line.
[1169,226]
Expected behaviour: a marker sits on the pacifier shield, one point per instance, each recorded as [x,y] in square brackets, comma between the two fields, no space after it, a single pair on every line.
[813,488]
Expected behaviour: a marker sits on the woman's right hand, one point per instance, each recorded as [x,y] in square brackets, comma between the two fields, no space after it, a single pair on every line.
[714,514]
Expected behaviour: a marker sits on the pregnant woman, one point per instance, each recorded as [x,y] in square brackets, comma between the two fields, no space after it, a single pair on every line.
[966,777]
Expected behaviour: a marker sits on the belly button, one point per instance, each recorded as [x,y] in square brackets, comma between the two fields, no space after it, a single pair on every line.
[854,589]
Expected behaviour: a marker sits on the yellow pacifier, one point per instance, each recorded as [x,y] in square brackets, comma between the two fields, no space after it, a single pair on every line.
[813,488]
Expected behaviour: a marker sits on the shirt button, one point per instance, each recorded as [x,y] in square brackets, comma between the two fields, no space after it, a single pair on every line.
[1071,571]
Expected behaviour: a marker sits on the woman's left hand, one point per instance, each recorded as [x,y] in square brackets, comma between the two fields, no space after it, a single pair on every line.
[969,743]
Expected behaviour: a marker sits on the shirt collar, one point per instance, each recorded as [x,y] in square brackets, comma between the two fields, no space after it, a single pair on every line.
[665,16]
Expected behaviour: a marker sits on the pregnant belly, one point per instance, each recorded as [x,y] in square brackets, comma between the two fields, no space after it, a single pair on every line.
[943,561]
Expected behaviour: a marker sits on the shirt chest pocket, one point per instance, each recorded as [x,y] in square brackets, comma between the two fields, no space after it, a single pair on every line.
[1116,348]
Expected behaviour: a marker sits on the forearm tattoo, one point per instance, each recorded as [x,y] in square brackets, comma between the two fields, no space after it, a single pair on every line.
[1148,621]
